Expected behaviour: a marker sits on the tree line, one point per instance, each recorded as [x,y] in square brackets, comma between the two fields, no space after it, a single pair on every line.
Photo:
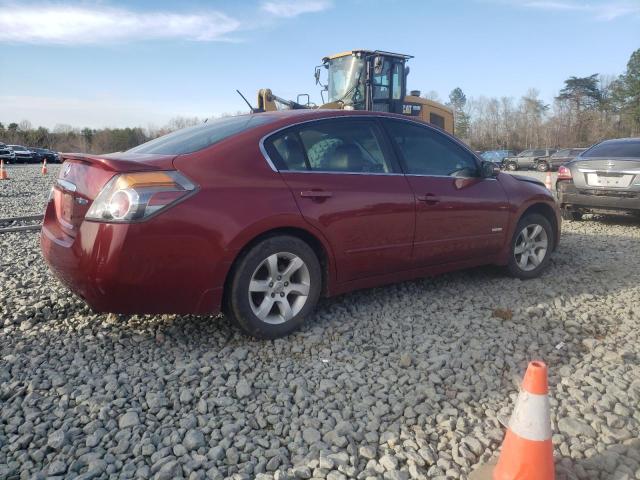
[585,111]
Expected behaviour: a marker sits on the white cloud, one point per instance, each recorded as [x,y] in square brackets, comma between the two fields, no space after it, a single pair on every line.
[601,10]
[293,8]
[59,24]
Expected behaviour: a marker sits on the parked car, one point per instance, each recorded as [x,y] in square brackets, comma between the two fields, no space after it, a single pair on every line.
[563,156]
[7,154]
[497,156]
[537,159]
[262,214]
[44,153]
[23,154]
[603,179]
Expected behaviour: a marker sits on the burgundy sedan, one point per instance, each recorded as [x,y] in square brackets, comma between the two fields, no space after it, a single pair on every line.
[260,215]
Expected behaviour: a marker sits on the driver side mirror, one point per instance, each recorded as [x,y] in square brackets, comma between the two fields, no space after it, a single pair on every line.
[489,170]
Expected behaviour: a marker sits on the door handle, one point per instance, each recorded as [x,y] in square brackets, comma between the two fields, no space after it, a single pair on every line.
[428,198]
[316,194]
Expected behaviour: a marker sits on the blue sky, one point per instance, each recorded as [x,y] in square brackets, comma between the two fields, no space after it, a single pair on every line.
[113,63]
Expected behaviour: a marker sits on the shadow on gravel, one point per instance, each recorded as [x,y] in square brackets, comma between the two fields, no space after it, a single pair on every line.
[616,462]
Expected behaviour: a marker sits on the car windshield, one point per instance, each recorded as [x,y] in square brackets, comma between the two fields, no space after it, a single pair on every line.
[620,149]
[196,138]
[346,80]
[18,148]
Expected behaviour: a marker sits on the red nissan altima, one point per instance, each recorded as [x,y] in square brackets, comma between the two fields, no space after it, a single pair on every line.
[259,215]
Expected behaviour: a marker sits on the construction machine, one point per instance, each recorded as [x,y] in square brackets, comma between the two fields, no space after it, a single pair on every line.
[365,80]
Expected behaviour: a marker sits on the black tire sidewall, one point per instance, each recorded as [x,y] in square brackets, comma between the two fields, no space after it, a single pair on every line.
[542,166]
[512,166]
[237,304]
[530,219]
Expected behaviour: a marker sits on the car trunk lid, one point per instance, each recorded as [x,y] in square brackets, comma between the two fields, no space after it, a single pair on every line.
[82,176]
[606,173]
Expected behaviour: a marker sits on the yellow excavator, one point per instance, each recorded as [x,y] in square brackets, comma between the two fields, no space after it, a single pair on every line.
[365,80]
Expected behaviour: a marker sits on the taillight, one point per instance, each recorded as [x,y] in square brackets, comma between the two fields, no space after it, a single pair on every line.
[564,173]
[131,197]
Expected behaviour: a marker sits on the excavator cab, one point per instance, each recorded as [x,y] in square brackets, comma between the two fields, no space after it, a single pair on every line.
[365,80]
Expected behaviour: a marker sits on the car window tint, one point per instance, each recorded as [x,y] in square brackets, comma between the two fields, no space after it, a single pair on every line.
[343,146]
[620,149]
[428,152]
[196,138]
[539,153]
[290,151]
[526,153]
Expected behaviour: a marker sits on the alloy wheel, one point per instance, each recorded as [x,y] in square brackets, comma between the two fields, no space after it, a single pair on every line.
[531,247]
[279,288]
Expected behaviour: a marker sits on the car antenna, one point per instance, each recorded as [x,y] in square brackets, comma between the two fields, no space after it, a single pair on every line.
[253,110]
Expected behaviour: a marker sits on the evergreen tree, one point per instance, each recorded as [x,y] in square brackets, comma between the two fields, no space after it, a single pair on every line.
[457,101]
[626,90]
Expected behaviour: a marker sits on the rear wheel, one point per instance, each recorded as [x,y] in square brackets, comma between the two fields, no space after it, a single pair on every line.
[512,166]
[531,246]
[542,166]
[274,286]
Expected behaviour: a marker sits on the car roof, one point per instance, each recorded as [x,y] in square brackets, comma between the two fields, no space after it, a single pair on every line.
[622,140]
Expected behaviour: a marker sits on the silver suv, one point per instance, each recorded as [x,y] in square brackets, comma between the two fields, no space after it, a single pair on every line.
[6,153]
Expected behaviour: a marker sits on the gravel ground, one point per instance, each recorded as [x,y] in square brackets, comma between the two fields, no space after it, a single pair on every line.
[406,381]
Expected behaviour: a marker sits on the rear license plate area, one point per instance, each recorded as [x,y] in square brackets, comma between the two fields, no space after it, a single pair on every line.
[609,181]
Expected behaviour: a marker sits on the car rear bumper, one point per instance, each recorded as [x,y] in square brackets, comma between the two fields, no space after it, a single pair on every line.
[133,268]
[570,197]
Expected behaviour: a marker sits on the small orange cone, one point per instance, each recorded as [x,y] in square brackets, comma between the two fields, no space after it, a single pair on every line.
[3,173]
[527,451]
[547,180]
[44,166]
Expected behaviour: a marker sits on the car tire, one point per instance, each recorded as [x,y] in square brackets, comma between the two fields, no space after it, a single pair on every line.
[526,256]
[568,214]
[542,166]
[265,299]
[511,166]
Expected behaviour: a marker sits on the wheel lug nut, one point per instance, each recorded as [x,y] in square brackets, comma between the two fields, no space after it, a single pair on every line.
[286,284]
[279,277]
[282,294]
[273,295]
[271,284]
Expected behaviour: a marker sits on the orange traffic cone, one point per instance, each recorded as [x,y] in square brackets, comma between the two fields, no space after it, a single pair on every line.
[527,451]
[3,173]
[547,180]
[44,166]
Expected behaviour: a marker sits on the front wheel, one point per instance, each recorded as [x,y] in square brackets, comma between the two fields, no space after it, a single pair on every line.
[274,286]
[531,247]
[512,166]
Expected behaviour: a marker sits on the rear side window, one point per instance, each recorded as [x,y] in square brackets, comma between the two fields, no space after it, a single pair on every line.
[428,152]
[350,146]
[196,138]
[622,149]
[539,153]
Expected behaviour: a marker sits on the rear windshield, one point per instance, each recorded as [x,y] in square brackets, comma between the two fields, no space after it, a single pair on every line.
[623,149]
[196,138]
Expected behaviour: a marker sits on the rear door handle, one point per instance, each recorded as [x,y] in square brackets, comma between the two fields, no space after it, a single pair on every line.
[316,194]
[428,198]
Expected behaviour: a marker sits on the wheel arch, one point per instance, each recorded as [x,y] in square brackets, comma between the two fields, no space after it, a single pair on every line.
[549,213]
[319,246]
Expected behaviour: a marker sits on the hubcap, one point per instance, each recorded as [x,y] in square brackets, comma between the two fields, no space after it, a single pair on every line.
[531,247]
[279,288]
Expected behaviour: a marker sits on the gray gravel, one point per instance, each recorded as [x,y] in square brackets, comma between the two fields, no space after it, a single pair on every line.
[406,381]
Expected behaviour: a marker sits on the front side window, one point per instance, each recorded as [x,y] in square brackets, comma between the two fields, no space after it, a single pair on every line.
[561,153]
[526,153]
[381,82]
[397,80]
[539,153]
[330,146]
[428,152]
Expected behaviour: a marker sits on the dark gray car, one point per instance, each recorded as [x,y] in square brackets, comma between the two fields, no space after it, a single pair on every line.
[533,158]
[605,178]
[563,156]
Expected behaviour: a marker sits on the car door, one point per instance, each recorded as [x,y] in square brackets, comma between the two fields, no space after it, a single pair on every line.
[347,184]
[526,159]
[459,215]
